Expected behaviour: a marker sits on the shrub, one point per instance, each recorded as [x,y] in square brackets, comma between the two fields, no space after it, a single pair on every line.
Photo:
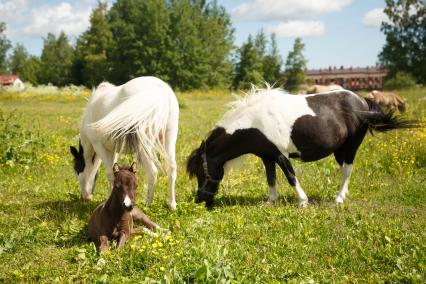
[18,145]
[399,81]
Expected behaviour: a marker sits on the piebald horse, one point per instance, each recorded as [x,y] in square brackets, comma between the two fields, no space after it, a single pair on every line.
[277,126]
[140,117]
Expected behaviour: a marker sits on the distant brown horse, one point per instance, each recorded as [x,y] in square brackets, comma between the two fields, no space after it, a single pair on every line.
[322,88]
[113,219]
[388,100]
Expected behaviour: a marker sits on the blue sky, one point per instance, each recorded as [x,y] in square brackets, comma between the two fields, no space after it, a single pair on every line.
[336,32]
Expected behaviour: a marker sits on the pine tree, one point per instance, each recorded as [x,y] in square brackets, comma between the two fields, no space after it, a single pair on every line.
[405,47]
[5,45]
[91,61]
[56,60]
[295,66]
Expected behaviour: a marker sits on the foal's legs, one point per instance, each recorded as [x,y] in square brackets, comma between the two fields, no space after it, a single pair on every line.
[286,167]
[271,177]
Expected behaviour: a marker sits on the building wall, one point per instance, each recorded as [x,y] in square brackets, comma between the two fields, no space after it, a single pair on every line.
[369,78]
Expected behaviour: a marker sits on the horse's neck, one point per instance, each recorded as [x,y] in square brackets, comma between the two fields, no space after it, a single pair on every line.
[223,149]
[114,209]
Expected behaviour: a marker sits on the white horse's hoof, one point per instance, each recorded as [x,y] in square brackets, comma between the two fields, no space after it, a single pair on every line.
[172,206]
[303,203]
[88,197]
[270,202]
[339,199]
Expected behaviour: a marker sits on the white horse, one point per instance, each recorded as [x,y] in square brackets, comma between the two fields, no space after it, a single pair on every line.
[139,117]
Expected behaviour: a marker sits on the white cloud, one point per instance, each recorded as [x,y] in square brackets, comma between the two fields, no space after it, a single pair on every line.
[11,10]
[270,10]
[374,18]
[298,29]
[56,18]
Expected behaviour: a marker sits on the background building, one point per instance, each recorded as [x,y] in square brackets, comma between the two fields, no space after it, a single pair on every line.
[368,78]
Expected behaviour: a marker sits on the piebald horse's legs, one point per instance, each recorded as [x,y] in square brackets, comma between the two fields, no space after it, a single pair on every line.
[345,156]
[346,170]
[286,167]
[271,177]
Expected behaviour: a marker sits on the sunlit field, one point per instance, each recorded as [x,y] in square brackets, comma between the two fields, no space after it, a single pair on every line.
[378,235]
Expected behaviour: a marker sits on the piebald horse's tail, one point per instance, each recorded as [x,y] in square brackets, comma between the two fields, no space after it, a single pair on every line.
[137,125]
[377,120]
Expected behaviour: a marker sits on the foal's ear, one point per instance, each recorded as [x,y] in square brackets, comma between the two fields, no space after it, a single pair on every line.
[133,167]
[115,168]
[74,152]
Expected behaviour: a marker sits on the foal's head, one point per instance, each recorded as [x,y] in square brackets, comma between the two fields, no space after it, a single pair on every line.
[125,184]
[207,172]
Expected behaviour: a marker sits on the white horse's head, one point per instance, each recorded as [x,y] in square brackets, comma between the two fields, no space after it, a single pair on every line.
[85,166]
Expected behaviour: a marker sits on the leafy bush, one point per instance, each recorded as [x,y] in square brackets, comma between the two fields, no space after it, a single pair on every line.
[17,145]
[400,81]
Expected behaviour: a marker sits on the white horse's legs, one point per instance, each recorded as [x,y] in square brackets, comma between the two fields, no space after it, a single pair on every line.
[150,174]
[109,158]
[171,166]
[346,170]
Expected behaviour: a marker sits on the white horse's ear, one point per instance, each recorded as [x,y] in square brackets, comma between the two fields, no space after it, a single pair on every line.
[115,168]
[74,152]
[133,167]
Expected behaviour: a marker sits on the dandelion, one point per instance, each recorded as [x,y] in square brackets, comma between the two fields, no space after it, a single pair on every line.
[162,268]
[138,238]
[132,246]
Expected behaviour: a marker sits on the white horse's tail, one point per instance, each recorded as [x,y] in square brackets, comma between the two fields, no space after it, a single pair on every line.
[137,125]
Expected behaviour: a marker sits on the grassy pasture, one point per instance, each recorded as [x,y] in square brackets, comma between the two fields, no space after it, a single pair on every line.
[378,235]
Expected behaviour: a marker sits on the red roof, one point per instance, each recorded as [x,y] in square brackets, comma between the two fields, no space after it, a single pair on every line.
[7,79]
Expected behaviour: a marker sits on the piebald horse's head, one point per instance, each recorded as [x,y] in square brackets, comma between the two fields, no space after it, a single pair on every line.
[208,174]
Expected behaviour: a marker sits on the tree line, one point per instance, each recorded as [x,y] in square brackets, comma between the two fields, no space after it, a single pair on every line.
[190,45]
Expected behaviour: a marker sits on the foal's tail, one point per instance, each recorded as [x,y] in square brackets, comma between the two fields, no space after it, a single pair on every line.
[378,120]
[137,125]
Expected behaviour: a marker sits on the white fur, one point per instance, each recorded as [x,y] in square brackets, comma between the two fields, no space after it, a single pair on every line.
[146,107]
[346,170]
[272,111]
[127,202]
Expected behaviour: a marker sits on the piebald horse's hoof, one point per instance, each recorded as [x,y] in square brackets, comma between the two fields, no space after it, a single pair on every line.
[303,203]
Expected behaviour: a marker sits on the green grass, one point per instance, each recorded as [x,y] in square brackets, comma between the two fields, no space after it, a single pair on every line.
[378,235]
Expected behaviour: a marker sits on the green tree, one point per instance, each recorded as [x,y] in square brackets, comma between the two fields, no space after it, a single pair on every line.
[18,60]
[5,45]
[405,47]
[31,70]
[272,64]
[248,69]
[90,65]
[295,66]
[56,60]
[202,38]
[141,43]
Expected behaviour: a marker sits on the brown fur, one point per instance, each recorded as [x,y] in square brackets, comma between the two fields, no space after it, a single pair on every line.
[388,100]
[111,220]
[322,88]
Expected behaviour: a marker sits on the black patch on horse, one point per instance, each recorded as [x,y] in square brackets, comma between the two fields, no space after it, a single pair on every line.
[318,136]
[79,163]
